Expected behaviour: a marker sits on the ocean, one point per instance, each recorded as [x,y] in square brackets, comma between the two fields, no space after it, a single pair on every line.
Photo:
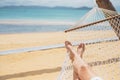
[38,14]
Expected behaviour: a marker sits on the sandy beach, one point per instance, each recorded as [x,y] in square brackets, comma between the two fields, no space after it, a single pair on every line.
[46,64]
[28,26]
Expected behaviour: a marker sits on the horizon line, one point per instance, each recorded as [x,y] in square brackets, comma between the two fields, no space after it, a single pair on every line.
[44,6]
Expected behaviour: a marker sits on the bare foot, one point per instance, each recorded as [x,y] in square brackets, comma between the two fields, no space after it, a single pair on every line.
[68,45]
[81,49]
[70,50]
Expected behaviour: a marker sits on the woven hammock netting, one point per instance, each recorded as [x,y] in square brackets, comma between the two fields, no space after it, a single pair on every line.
[102,44]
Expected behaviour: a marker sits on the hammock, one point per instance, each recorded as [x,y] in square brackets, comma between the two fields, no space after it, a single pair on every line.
[94,29]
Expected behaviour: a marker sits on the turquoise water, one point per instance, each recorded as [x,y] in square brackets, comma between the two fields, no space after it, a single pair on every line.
[39,13]
[10,29]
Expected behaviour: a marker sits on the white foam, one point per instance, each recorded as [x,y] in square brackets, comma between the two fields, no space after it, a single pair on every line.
[35,22]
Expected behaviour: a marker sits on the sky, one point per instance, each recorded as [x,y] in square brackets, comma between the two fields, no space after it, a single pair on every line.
[51,3]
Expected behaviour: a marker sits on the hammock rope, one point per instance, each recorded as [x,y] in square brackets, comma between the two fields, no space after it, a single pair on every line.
[96,22]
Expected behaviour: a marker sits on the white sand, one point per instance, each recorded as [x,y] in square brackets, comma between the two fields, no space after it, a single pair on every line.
[46,65]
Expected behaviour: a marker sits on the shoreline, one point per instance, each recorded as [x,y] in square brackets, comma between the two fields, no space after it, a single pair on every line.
[34,22]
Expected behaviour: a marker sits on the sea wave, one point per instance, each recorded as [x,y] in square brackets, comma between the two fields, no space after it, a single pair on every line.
[35,22]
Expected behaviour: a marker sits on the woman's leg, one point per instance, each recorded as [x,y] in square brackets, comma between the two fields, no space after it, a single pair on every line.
[81,69]
[70,50]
